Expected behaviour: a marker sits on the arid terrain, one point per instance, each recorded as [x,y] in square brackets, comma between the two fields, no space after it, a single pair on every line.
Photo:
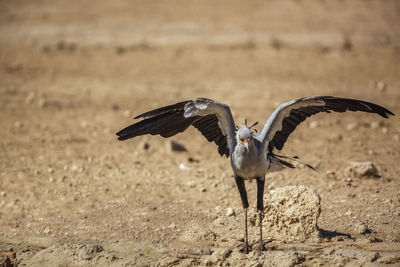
[73,73]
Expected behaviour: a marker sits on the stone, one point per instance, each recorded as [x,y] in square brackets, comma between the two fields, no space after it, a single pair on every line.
[282,258]
[168,261]
[380,85]
[351,126]
[362,169]
[197,232]
[177,147]
[314,124]
[222,253]
[291,213]
[361,228]
[389,259]
[230,212]
[372,257]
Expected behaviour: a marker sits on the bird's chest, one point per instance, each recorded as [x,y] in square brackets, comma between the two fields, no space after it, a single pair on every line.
[248,164]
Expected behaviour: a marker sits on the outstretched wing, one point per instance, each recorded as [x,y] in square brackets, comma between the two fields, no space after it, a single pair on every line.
[287,116]
[213,119]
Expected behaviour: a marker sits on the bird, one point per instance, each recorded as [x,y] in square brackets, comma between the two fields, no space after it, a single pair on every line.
[251,153]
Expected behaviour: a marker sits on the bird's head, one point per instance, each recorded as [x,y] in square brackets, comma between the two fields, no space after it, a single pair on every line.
[244,134]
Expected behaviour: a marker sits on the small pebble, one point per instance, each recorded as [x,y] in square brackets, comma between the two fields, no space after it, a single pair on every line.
[31,96]
[18,124]
[361,228]
[182,166]
[127,113]
[230,212]
[84,124]
[42,103]
[351,126]
[191,184]
[177,147]
[381,86]
[74,167]
[314,124]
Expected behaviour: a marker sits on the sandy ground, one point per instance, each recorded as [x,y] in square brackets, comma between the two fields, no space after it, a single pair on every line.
[74,73]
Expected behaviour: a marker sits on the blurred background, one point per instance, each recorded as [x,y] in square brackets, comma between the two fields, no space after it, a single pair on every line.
[72,73]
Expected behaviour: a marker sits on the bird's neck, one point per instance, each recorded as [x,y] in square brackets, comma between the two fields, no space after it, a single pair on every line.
[242,149]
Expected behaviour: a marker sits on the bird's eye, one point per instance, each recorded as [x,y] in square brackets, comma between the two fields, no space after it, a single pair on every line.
[241,138]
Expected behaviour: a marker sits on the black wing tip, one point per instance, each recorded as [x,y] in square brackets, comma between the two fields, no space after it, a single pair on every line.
[375,108]
[389,113]
[122,136]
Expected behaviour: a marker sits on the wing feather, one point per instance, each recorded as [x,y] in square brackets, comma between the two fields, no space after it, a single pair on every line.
[213,119]
[284,120]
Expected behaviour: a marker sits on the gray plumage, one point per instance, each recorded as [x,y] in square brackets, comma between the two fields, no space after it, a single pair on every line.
[251,154]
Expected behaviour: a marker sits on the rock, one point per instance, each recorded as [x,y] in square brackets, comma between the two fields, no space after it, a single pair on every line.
[236,255]
[351,126]
[282,258]
[127,113]
[376,124]
[31,96]
[208,262]
[380,85]
[361,228]
[87,252]
[177,147]
[42,103]
[74,168]
[389,259]
[372,257]
[18,124]
[362,169]
[230,212]
[314,124]
[222,253]
[256,263]
[169,261]
[291,213]
[183,167]
[197,232]
[192,184]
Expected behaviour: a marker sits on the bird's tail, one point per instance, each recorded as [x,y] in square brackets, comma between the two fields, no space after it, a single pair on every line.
[288,164]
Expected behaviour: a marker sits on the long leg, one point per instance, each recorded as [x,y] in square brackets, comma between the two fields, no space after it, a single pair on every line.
[260,207]
[245,203]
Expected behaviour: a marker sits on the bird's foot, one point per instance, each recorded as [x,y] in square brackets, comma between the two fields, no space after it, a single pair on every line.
[260,247]
[246,248]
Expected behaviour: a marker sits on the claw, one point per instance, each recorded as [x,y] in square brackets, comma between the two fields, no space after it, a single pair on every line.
[245,249]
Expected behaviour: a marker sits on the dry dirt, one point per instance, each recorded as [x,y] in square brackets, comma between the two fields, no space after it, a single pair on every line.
[72,73]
